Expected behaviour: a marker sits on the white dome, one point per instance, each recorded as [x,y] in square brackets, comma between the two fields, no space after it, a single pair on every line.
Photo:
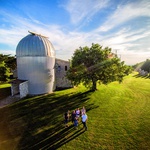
[35,45]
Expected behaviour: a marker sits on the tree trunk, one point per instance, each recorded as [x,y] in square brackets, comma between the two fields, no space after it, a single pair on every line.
[94,85]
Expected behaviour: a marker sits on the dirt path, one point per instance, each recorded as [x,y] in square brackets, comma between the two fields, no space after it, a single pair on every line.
[9,100]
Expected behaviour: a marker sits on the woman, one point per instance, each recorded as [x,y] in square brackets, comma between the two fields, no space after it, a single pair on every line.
[77,112]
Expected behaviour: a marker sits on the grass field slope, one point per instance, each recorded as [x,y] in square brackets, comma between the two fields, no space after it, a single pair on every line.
[118,119]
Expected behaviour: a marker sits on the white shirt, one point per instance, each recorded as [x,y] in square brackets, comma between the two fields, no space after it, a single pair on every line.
[77,112]
[84,118]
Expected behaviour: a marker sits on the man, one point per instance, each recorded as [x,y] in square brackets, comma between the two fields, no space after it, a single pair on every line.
[84,120]
[73,116]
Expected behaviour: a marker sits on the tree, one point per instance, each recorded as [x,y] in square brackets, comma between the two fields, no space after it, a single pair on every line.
[96,65]
[7,63]
[10,61]
[4,72]
[146,66]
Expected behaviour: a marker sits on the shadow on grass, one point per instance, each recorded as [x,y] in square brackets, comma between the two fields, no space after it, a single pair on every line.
[58,139]
[140,76]
[4,92]
[38,121]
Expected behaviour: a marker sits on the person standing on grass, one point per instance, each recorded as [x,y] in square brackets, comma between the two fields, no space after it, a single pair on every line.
[66,117]
[84,120]
[78,113]
[73,115]
[76,122]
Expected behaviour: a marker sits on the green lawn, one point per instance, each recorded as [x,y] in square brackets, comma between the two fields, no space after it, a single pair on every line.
[118,119]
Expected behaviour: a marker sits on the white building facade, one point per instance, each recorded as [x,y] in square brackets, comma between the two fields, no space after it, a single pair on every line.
[38,67]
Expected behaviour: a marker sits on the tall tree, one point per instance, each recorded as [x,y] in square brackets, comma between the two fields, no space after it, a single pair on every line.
[92,65]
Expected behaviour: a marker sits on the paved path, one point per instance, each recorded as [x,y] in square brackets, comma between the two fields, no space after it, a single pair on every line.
[9,100]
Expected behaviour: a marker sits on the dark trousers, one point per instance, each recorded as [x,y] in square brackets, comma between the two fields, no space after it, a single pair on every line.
[84,125]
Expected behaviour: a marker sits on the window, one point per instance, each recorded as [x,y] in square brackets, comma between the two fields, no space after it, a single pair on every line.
[59,68]
[65,68]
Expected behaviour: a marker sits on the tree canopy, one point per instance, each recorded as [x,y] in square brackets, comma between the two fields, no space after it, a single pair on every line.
[146,66]
[95,64]
[7,63]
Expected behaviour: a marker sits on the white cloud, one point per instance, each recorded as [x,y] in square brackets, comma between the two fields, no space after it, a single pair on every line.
[65,42]
[131,57]
[84,9]
[127,37]
[125,13]
[8,51]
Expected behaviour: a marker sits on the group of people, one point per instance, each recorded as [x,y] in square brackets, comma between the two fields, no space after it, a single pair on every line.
[75,117]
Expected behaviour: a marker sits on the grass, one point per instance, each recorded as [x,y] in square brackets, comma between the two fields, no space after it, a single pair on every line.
[118,119]
[4,90]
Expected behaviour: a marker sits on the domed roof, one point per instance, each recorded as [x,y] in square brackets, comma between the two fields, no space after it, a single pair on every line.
[35,45]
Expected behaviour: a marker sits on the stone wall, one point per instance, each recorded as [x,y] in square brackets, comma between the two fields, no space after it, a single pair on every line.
[61,67]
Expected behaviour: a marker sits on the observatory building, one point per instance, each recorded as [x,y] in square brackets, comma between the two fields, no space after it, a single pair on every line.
[38,71]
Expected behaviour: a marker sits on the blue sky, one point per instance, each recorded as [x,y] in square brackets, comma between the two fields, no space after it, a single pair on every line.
[123,25]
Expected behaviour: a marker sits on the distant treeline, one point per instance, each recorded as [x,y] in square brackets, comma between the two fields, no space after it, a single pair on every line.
[143,66]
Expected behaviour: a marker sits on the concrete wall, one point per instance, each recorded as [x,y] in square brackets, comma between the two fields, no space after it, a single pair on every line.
[23,88]
[19,87]
[14,89]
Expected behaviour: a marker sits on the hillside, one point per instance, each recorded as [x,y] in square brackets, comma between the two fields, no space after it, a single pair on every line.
[118,118]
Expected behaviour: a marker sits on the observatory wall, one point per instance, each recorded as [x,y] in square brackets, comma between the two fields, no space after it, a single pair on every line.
[39,71]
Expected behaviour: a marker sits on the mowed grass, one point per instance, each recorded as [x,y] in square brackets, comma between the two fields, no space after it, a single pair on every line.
[118,119]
